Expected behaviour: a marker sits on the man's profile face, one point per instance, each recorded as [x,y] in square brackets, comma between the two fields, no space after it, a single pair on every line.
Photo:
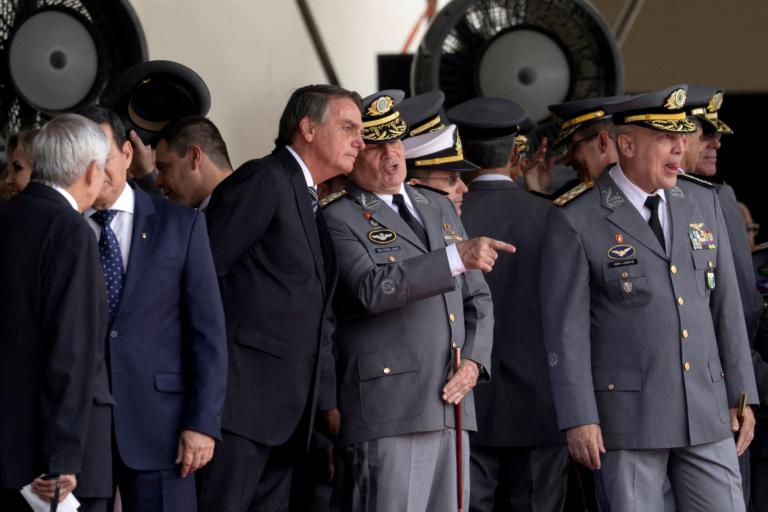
[583,154]
[115,171]
[175,176]
[447,181]
[706,165]
[338,138]
[655,159]
[380,168]
[693,144]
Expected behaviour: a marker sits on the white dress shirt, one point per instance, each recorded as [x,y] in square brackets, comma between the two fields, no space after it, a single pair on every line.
[637,197]
[67,196]
[493,177]
[454,260]
[122,224]
[304,169]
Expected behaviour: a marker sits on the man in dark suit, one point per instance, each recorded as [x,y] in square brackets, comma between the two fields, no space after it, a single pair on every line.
[519,459]
[277,274]
[166,345]
[53,383]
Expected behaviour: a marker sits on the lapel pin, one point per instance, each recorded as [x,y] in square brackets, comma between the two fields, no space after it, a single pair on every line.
[619,238]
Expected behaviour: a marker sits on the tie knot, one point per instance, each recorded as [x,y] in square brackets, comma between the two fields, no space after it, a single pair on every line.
[652,202]
[399,200]
[104,217]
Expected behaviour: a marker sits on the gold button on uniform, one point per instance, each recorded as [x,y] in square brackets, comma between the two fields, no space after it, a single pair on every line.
[392,259]
[710,264]
[685,333]
[625,275]
[687,366]
[722,375]
[673,269]
[611,387]
[452,317]
[680,301]
[387,371]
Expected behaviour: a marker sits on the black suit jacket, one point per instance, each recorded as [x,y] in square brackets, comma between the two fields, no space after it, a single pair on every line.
[52,320]
[516,408]
[277,274]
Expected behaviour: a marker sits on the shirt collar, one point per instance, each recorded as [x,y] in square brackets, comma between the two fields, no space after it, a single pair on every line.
[304,169]
[387,198]
[124,203]
[204,203]
[70,199]
[635,194]
[493,177]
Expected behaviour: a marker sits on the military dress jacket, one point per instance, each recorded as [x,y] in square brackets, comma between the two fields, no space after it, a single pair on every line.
[516,408]
[652,347]
[399,311]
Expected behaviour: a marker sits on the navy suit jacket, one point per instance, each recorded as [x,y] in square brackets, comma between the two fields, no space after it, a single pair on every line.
[167,345]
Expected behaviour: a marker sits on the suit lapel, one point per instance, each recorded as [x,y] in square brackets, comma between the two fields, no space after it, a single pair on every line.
[625,216]
[301,196]
[142,239]
[384,215]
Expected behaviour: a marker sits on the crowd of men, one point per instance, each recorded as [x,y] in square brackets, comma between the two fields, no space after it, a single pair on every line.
[390,312]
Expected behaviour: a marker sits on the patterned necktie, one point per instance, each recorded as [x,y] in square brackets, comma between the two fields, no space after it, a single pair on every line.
[652,203]
[315,202]
[111,259]
[409,219]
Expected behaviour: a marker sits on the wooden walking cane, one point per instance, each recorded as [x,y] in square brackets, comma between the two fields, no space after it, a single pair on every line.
[459,435]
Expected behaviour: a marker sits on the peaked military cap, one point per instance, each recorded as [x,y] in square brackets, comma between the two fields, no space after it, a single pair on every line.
[573,115]
[487,118]
[662,110]
[152,94]
[381,120]
[437,151]
[424,113]
[704,103]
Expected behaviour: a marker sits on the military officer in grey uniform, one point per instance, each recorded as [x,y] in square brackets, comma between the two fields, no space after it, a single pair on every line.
[643,325]
[703,106]
[410,289]
[519,460]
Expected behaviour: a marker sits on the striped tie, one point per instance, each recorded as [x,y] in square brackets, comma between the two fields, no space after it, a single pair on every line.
[315,202]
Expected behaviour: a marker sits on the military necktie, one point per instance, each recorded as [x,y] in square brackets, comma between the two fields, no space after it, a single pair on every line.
[409,219]
[315,202]
[652,203]
[111,260]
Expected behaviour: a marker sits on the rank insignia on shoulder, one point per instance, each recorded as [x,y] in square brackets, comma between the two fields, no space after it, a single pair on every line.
[331,198]
[701,238]
[621,251]
[573,193]
[382,236]
[695,179]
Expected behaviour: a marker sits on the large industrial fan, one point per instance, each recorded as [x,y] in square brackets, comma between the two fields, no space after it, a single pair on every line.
[56,55]
[535,52]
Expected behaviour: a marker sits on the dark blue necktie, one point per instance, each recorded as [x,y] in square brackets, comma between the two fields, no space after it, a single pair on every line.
[409,219]
[652,203]
[111,260]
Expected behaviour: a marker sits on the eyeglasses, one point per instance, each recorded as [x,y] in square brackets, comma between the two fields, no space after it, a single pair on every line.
[711,136]
[753,227]
[576,143]
[452,180]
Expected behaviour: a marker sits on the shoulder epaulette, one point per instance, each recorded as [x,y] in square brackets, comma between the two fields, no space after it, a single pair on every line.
[573,193]
[331,198]
[760,248]
[426,187]
[695,179]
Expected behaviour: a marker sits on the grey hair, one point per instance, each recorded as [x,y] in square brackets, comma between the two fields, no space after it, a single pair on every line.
[65,147]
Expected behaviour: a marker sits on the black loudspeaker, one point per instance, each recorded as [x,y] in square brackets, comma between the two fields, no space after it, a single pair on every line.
[56,55]
[535,52]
